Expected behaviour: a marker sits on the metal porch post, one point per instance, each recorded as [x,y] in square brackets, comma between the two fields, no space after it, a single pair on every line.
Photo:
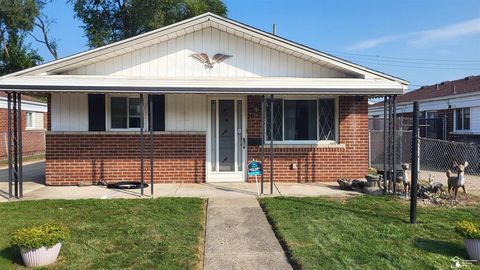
[15,145]
[142,180]
[20,146]
[9,144]
[150,126]
[262,153]
[391,181]
[271,144]
[385,115]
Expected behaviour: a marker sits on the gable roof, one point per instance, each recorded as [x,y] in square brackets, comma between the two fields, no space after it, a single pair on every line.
[467,85]
[192,24]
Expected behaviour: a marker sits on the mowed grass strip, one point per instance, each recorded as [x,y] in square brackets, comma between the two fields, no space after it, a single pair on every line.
[165,233]
[366,232]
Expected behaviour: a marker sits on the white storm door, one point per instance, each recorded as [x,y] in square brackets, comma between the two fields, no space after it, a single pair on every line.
[226,140]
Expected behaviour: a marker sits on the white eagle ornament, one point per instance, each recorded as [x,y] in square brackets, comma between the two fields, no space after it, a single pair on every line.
[209,62]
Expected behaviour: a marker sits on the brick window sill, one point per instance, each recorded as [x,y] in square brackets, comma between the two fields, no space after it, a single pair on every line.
[307,145]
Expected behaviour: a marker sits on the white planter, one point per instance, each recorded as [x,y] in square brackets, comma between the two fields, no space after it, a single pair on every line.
[40,256]
[473,248]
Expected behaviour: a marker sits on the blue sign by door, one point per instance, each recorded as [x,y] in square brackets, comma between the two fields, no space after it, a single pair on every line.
[255,168]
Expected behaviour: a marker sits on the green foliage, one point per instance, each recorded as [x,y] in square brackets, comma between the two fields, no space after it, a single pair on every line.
[46,235]
[109,21]
[19,56]
[16,19]
[17,15]
[468,230]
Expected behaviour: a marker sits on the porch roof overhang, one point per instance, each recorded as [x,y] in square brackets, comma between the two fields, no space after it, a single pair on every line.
[257,85]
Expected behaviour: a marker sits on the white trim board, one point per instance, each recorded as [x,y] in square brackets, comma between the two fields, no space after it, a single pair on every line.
[450,102]
[285,85]
[26,105]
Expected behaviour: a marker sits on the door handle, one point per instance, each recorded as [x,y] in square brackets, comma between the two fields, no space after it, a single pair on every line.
[243,143]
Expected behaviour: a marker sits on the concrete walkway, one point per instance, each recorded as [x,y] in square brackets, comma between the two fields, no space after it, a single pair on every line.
[238,236]
[35,191]
[33,178]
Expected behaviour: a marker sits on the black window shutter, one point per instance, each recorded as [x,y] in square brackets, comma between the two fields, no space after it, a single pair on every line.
[96,112]
[158,112]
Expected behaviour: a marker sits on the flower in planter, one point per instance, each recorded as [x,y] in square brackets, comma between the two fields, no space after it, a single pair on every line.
[468,230]
[40,245]
[471,233]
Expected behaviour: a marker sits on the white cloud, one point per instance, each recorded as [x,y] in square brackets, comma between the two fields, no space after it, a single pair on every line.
[424,38]
[371,43]
[448,32]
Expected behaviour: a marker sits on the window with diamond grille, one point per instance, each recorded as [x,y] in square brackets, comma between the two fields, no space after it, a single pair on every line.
[326,119]
[277,119]
[302,120]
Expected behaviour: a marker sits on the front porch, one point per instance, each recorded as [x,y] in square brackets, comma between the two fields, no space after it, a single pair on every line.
[34,189]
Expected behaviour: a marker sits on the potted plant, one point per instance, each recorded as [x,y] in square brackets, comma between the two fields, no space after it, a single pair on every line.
[471,233]
[40,245]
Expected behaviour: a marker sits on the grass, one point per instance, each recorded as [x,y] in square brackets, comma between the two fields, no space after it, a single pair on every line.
[164,233]
[36,157]
[366,232]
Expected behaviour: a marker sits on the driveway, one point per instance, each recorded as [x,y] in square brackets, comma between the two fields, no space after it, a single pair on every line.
[33,178]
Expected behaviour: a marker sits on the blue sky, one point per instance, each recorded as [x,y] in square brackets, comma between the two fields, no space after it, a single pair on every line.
[422,41]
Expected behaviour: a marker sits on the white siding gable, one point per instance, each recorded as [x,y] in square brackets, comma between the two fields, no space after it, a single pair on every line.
[172,58]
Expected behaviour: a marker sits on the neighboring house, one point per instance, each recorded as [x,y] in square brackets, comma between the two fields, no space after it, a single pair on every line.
[33,125]
[457,103]
[206,117]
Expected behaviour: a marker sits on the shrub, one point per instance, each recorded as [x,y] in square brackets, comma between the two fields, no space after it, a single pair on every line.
[38,236]
[468,230]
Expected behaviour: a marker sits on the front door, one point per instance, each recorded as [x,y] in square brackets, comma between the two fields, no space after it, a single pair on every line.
[226,140]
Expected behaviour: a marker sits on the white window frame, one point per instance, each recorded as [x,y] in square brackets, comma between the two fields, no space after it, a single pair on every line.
[463,119]
[32,126]
[429,113]
[108,118]
[298,142]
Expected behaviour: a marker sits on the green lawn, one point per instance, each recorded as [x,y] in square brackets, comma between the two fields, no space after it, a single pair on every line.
[366,232]
[162,233]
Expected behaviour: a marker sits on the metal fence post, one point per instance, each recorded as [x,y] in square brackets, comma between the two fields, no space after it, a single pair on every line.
[413,188]
[385,115]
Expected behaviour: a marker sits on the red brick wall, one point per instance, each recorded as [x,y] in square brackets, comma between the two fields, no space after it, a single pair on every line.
[33,141]
[318,164]
[71,159]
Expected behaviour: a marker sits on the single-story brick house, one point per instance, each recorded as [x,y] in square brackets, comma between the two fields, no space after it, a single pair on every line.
[206,110]
[456,103]
[34,111]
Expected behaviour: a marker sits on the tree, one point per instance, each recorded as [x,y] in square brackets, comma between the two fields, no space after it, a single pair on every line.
[108,21]
[16,18]
[18,56]
[43,22]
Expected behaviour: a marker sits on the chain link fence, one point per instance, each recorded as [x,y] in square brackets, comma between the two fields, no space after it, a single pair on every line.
[435,157]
